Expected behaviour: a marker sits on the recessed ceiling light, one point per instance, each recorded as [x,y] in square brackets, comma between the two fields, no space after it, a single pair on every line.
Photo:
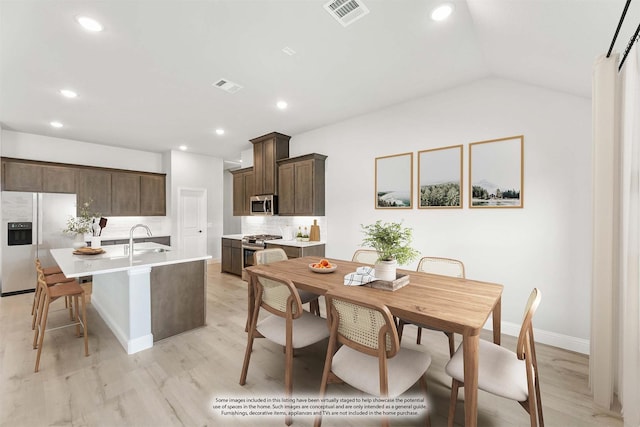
[56,124]
[68,93]
[442,12]
[288,51]
[281,105]
[89,24]
[220,131]
[183,147]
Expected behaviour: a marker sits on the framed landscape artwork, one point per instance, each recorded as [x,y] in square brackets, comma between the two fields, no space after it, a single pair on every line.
[394,181]
[440,178]
[496,173]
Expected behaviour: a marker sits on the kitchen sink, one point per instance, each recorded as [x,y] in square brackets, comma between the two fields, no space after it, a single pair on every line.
[150,250]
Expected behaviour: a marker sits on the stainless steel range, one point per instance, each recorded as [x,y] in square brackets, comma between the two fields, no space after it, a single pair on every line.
[251,244]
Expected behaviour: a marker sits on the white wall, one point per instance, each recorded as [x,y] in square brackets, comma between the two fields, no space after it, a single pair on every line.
[194,171]
[547,244]
[45,148]
[231,224]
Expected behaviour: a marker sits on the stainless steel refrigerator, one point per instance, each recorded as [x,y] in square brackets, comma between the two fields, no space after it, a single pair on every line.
[32,223]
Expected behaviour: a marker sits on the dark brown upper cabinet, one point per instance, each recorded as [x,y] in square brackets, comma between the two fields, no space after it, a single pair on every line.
[94,186]
[125,194]
[25,175]
[243,189]
[113,192]
[153,199]
[267,149]
[301,185]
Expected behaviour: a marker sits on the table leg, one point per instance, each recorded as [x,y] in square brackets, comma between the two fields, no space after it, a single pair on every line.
[470,349]
[497,310]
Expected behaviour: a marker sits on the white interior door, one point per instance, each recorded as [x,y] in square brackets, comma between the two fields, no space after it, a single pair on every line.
[193,221]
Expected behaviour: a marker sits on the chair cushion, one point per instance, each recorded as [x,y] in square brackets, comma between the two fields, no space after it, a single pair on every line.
[500,372]
[306,296]
[307,329]
[362,371]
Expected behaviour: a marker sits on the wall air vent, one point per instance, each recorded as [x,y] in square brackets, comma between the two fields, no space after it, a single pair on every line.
[346,12]
[227,86]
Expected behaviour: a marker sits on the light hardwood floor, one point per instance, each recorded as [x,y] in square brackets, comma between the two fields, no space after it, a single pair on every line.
[177,382]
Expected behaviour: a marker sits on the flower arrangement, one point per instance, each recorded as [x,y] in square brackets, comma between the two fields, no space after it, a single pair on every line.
[83,223]
[390,240]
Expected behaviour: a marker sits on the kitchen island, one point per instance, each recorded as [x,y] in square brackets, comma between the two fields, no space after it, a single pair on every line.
[155,293]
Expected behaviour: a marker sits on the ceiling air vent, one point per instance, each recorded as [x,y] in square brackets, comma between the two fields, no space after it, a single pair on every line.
[346,12]
[227,86]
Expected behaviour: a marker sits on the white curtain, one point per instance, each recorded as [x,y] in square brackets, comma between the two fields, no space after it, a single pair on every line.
[605,229]
[629,378]
[615,319]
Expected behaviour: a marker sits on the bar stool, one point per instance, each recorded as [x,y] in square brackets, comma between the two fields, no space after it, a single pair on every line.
[50,294]
[50,279]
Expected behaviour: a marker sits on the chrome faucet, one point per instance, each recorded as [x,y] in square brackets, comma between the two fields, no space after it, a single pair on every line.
[131,238]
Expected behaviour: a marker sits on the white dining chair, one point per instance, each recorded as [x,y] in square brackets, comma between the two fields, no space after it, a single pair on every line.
[364,350]
[365,256]
[512,375]
[267,256]
[287,325]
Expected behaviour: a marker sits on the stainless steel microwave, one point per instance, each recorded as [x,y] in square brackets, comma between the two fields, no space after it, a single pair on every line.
[264,205]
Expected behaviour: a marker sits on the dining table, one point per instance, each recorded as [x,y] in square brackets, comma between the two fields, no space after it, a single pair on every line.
[451,304]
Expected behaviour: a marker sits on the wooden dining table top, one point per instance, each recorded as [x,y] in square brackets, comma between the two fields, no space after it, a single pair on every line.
[447,303]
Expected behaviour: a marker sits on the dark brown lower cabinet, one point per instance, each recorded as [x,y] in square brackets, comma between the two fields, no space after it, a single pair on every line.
[178,298]
[299,252]
[231,256]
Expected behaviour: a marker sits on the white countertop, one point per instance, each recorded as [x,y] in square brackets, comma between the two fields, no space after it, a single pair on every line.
[233,236]
[293,243]
[116,259]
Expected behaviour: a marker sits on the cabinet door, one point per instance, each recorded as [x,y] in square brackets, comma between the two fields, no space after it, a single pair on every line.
[21,176]
[125,194]
[58,179]
[95,186]
[236,261]
[249,190]
[258,168]
[226,256]
[304,195]
[238,195]
[269,167]
[153,199]
[286,189]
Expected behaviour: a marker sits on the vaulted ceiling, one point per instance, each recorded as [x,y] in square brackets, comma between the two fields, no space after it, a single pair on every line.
[147,80]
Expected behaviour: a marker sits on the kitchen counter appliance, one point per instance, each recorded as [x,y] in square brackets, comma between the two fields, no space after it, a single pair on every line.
[253,243]
[32,223]
[265,205]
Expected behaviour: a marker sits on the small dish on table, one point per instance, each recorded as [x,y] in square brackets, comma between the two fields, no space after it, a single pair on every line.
[323,266]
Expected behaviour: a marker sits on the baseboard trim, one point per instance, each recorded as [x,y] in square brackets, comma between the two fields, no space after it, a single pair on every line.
[566,342]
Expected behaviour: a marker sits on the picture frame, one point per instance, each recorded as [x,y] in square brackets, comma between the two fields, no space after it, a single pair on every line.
[394,181]
[440,178]
[496,173]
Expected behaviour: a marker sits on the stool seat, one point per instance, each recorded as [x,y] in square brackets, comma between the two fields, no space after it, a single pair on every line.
[51,270]
[57,278]
[48,294]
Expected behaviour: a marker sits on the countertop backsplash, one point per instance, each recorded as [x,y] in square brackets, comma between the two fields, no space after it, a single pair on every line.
[276,224]
[118,226]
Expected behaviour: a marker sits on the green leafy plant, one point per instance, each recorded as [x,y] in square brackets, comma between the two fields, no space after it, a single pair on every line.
[82,223]
[391,240]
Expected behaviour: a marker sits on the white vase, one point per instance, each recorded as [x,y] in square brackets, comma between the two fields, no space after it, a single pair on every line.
[79,241]
[386,270]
